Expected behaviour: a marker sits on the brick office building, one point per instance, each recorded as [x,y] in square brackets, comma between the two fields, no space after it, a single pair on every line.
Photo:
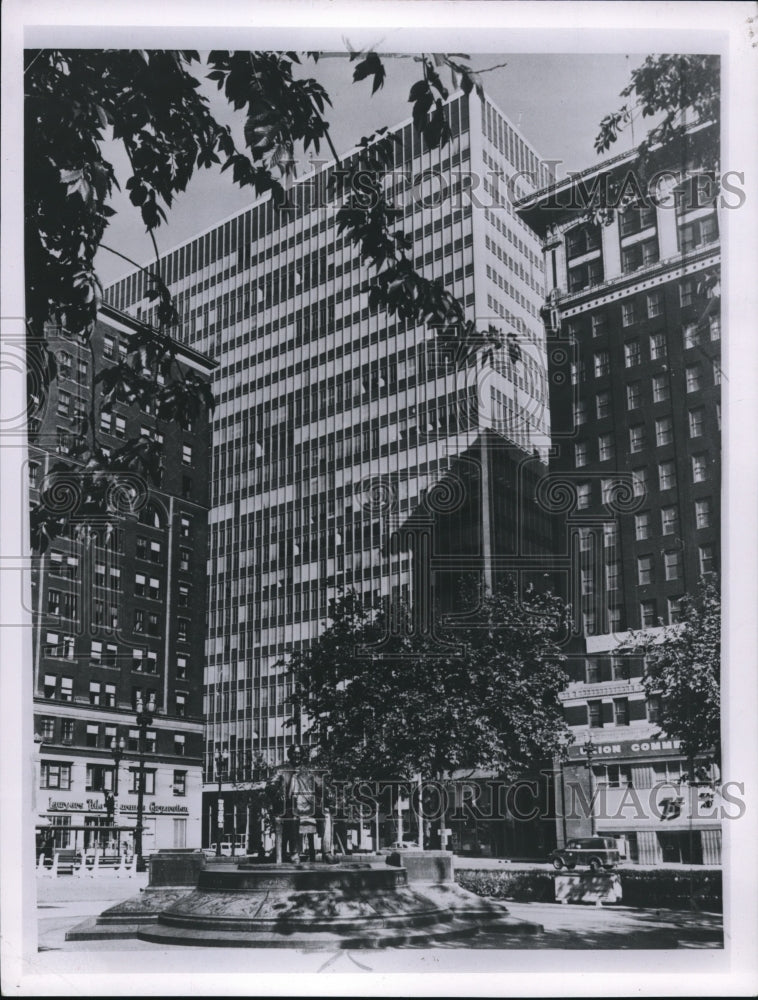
[635,407]
[119,612]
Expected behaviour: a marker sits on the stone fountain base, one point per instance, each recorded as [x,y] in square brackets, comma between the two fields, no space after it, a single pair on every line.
[349,905]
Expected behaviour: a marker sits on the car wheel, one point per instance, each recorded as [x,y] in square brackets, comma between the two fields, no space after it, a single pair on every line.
[596,865]
[557,864]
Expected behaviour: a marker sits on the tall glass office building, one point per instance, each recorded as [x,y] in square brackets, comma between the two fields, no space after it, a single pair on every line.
[333,420]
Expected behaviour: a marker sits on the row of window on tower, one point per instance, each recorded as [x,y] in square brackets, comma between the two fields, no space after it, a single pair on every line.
[648,567]
[651,306]
[586,495]
[649,613]
[246,230]
[661,393]
[664,435]
[694,374]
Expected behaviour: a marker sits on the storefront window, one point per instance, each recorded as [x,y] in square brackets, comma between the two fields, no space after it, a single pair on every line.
[97,831]
[61,834]
[681,848]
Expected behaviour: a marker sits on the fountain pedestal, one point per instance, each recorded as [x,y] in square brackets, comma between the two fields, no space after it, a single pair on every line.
[354,904]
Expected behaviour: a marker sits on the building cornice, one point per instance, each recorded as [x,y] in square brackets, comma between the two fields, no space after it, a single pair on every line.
[641,280]
[605,166]
[124,323]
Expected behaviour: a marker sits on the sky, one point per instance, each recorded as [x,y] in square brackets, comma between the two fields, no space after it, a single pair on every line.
[556,100]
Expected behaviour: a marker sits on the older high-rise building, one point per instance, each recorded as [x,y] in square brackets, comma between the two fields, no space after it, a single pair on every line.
[634,334]
[119,610]
[333,419]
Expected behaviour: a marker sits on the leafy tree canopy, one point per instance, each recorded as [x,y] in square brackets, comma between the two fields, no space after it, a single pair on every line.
[676,91]
[684,670]
[681,97]
[150,103]
[381,701]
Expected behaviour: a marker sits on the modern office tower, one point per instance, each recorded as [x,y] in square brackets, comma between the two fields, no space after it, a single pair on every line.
[481,522]
[635,408]
[118,613]
[333,418]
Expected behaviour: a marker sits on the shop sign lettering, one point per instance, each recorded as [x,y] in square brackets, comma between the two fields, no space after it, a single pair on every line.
[154,808]
[646,746]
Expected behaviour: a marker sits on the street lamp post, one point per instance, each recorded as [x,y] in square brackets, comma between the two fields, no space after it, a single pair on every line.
[221,759]
[563,756]
[117,752]
[588,749]
[144,719]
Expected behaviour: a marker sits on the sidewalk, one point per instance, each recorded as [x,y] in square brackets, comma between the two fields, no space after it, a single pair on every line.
[65,902]
[617,927]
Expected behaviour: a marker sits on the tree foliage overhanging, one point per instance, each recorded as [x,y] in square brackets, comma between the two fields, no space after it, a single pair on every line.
[680,96]
[683,669]
[382,700]
[676,92]
[151,104]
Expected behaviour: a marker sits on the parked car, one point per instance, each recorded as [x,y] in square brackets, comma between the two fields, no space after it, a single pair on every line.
[595,852]
[226,849]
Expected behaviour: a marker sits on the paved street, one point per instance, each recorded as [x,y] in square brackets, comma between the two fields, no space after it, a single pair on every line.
[65,902]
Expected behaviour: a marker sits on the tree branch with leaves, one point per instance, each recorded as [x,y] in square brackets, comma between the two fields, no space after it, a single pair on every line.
[381,701]
[683,670]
